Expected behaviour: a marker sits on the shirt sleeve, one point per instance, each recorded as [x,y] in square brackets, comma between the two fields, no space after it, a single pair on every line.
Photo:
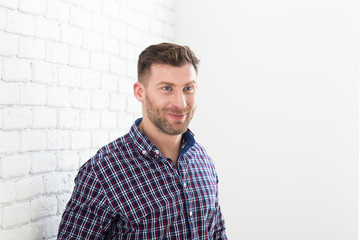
[87,214]
[220,232]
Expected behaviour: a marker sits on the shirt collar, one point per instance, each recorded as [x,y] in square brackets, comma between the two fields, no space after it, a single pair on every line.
[145,146]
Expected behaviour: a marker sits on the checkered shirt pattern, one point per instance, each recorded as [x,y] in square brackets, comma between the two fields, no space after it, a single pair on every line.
[128,190]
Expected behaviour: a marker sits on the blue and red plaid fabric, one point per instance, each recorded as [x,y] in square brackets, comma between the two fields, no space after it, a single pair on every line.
[128,190]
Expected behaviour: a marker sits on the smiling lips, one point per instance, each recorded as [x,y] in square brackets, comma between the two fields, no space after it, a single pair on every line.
[176,116]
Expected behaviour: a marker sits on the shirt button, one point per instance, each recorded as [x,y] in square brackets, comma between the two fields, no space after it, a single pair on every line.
[157,151]
[184,184]
[143,152]
[190,213]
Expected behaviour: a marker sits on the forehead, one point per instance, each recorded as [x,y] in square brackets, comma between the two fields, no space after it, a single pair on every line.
[165,72]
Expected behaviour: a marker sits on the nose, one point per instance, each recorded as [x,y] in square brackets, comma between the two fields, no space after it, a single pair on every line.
[179,100]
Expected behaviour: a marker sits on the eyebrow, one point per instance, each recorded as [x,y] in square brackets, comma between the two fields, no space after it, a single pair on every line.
[172,84]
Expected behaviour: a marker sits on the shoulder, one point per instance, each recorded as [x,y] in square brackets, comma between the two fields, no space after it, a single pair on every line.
[117,150]
[199,154]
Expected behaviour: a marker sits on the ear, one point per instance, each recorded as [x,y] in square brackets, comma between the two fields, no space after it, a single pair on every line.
[139,91]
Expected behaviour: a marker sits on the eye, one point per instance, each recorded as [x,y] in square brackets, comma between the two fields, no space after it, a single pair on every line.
[166,88]
[188,89]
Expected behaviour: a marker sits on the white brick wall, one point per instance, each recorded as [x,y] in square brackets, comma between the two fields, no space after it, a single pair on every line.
[66,74]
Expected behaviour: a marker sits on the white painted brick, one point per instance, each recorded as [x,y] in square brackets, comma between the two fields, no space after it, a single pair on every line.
[75,2]
[127,15]
[8,44]
[131,69]
[115,134]
[14,166]
[48,29]
[147,40]
[2,19]
[109,82]
[117,102]
[135,36]
[100,23]
[92,41]
[79,57]
[35,140]
[33,94]
[126,85]
[80,98]
[125,121]
[89,120]
[108,119]
[143,7]
[62,201]
[156,26]
[44,73]
[110,45]
[29,188]
[72,176]
[68,119]
[15,69]
[58,96]
[118,65]
[85,155]
[10,234]
[11,4]
[127,50]
[16,214]
[58,140]
[80,139]
[20,23]
[90,80]
[9,142]
[31,231]
[118,29]
[99,61]
[9,93]
[43,118]
[57,53]
[71,34]
[99,138]
[42,162]
[33,6]
[133,105]
[165,14]
[67,160]
[16,118]
[69,76]
[111,8]
[93,5]
[100,100]
[43,207]
[58,10]
[169,31]
[8,191]
[80,17]
[51,226]
[56,183]
[142,22]
[31,48]
[166,3]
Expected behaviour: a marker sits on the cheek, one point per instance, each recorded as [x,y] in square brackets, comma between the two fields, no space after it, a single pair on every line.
[191,100]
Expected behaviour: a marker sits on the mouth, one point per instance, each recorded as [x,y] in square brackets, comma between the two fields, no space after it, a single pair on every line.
[176,116]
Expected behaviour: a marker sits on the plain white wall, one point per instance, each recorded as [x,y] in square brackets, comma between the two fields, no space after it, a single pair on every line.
[278,112]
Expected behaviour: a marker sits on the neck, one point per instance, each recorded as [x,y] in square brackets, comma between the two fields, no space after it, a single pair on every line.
[169,145]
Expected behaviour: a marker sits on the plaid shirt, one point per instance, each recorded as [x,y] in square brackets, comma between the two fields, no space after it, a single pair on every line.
[128,190]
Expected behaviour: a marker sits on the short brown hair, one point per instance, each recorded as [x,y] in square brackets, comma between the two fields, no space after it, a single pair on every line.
[165,53]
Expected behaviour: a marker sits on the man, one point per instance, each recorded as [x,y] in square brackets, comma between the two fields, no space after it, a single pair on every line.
[155,182]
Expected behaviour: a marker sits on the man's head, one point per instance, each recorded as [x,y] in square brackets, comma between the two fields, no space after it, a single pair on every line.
[164,53]
[167,87]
